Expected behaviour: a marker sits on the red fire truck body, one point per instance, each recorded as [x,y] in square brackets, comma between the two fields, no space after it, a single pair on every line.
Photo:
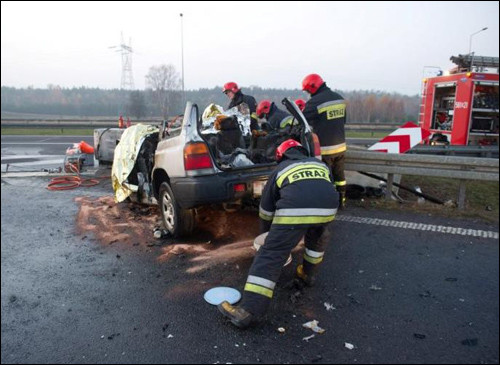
[461,108]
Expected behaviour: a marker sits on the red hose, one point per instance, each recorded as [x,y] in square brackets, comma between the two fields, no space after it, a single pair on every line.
[72,182]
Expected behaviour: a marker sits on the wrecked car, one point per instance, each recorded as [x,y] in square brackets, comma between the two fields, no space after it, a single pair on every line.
[211,159]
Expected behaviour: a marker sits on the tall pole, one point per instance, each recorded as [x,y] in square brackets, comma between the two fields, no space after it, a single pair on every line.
[470,47]
[473,34]
[182,58]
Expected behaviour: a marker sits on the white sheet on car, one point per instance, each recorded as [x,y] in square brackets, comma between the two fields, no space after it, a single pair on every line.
[126,152]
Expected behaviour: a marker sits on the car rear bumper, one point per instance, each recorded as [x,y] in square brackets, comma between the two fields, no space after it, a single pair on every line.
[191,192]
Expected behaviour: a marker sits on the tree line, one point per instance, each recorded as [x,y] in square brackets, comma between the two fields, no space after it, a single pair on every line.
[163,98]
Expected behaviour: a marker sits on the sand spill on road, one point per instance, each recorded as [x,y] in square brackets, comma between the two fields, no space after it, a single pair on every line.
[221,237]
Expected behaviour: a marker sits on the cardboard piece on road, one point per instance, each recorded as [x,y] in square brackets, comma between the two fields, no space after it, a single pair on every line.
[216,296]
[402,139]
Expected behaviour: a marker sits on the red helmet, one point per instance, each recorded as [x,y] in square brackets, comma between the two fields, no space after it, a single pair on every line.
[301,103]
[263,108]
[282,148]
[230,86]
[312,83]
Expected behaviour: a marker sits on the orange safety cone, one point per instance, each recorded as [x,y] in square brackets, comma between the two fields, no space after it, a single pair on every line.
[86,148]
[129,123]
[120,122]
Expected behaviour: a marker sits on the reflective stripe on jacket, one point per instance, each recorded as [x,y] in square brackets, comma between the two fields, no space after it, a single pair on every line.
[299,191]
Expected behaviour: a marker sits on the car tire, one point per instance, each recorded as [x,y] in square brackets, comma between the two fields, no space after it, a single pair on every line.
[177,221]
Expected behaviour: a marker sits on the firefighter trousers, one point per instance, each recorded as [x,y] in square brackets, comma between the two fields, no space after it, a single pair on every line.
[336,164]
[269,260]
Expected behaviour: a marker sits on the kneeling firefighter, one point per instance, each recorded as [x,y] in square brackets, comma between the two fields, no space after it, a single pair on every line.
[298,200]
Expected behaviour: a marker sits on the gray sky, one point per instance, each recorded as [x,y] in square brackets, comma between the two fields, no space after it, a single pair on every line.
[352,45]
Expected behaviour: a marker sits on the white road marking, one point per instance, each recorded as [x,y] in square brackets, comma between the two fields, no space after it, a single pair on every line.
[419,226]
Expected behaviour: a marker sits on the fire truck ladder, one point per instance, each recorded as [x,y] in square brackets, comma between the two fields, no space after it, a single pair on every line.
[422,104]
[468,61]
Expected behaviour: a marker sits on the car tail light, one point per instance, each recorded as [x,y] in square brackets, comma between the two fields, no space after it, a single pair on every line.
[317,146]
[238,188]
[196,156]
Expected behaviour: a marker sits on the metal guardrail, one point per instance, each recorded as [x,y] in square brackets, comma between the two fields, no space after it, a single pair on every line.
[453,167]
[469,151]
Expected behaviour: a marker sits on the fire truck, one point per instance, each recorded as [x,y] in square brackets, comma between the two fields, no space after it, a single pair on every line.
[461,107]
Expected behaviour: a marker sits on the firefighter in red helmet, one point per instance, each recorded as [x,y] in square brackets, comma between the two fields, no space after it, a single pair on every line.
[298,200]
[301,103]
[233,92]
[326,113]
[276,118]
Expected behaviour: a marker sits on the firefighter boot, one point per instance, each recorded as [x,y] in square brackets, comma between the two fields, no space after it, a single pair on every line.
[238,316]
[306,279]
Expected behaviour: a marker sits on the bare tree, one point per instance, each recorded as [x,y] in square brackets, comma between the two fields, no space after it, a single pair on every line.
[164,83]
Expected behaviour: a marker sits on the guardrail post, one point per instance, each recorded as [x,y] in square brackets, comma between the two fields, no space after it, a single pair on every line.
[390,180]
[461,195]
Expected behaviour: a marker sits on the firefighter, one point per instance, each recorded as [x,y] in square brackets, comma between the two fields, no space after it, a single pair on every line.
[233,92]
[276,118]
[326,113]
[301,103]
[299,199]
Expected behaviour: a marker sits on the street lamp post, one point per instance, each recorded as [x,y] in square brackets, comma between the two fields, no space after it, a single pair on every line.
[182,59]
[470,47]
[473,34]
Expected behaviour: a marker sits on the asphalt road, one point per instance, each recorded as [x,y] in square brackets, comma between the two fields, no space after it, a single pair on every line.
[32,153]
[398,295]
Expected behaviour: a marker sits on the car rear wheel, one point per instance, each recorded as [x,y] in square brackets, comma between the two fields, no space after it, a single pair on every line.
[179,222]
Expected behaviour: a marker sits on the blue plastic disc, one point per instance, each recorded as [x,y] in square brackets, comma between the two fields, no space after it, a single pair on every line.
[216,296]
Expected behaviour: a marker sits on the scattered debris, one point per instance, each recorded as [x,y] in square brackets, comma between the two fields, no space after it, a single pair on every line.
[281,330]
[113,336]
[451,279]
[308,338]
[170,336]
[160,233]
[426,294]
[165,326]
[348,345]
[470,342]
[374,287]
[329,306]
[419,336]
[314,326]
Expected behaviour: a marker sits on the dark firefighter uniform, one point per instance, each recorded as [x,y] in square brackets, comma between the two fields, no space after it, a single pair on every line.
[325,111]
[240,98]
[299,199]
[279,119]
